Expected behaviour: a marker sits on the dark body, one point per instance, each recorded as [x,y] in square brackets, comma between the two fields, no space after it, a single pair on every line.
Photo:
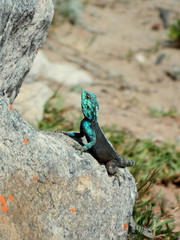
[102,149]
[97,144]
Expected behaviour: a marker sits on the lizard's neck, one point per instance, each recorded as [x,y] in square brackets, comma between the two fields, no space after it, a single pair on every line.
[93,120]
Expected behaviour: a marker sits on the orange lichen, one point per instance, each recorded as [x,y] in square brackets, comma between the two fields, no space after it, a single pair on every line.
[11,108]
[26,141]
[43,1]
[37,50]
[69,141]
[73,210]
[125,226]
[67,148]
[35,178]
[3,204]
[2,219]
[10,197]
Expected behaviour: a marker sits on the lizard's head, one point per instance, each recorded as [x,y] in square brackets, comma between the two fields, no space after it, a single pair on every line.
[89,105]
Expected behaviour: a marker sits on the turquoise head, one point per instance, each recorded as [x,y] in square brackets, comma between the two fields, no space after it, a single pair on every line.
[89,105]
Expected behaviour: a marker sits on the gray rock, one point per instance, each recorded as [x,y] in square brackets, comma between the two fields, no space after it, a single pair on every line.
[65,73]
[23,30]
[73,196]
[68,75]
[48,190]
[30,102]
[178,139]
[174,73]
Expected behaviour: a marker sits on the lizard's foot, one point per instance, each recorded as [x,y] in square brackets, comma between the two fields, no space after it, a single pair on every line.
[78,147]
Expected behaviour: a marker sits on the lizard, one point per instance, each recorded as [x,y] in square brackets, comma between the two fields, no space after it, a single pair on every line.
[100,147]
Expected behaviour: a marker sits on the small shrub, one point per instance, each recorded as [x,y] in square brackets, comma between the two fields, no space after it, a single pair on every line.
[174,31]
[69,9]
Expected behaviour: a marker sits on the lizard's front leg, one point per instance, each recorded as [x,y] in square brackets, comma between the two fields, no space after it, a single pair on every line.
[76,134]
[90,136]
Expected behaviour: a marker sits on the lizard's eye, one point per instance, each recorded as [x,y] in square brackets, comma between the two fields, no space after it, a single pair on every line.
[88,96]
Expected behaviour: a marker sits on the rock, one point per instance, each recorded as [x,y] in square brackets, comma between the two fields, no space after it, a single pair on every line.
[57,192]
[139,58]
[174,73]
[48,189]
[21,41]
[68,75]
[178,139]
[164,15]
[160,58]
[60,73]
[30,104]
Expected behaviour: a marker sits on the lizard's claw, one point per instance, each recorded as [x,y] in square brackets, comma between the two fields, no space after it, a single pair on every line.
[78,147]
[117,175]
[117,178]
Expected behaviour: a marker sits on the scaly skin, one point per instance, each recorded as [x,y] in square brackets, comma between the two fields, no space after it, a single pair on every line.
[98,145]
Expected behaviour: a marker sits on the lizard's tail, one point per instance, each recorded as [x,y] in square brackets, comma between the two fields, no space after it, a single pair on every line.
[124,162]
[144,231]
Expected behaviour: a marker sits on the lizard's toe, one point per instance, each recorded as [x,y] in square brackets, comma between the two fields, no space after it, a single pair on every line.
[78,147]
[131,162]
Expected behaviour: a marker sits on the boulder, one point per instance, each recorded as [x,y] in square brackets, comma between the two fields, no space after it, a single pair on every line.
[63,73]
[57,192]
[23,29]
[31,100]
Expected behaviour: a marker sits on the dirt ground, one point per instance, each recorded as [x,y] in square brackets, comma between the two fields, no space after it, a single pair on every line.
[118,44]
[113,37]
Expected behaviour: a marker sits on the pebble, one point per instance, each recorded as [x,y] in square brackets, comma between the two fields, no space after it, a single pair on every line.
[140,58]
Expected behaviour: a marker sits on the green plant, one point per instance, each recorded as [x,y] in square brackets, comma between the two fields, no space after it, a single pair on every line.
[156,112]
[69,9]
[152,164]
[145,216]
[174,31]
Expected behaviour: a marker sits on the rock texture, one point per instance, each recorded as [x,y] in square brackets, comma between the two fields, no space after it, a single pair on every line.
[57,192]
[47,189]
[23,30]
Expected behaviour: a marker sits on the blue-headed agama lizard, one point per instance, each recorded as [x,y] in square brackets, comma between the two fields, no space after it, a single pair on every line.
[99,146]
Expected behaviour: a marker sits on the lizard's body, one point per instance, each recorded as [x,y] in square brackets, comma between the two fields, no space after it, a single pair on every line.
[100,147]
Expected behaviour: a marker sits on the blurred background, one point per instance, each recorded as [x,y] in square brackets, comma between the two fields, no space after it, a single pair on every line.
[127,52]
